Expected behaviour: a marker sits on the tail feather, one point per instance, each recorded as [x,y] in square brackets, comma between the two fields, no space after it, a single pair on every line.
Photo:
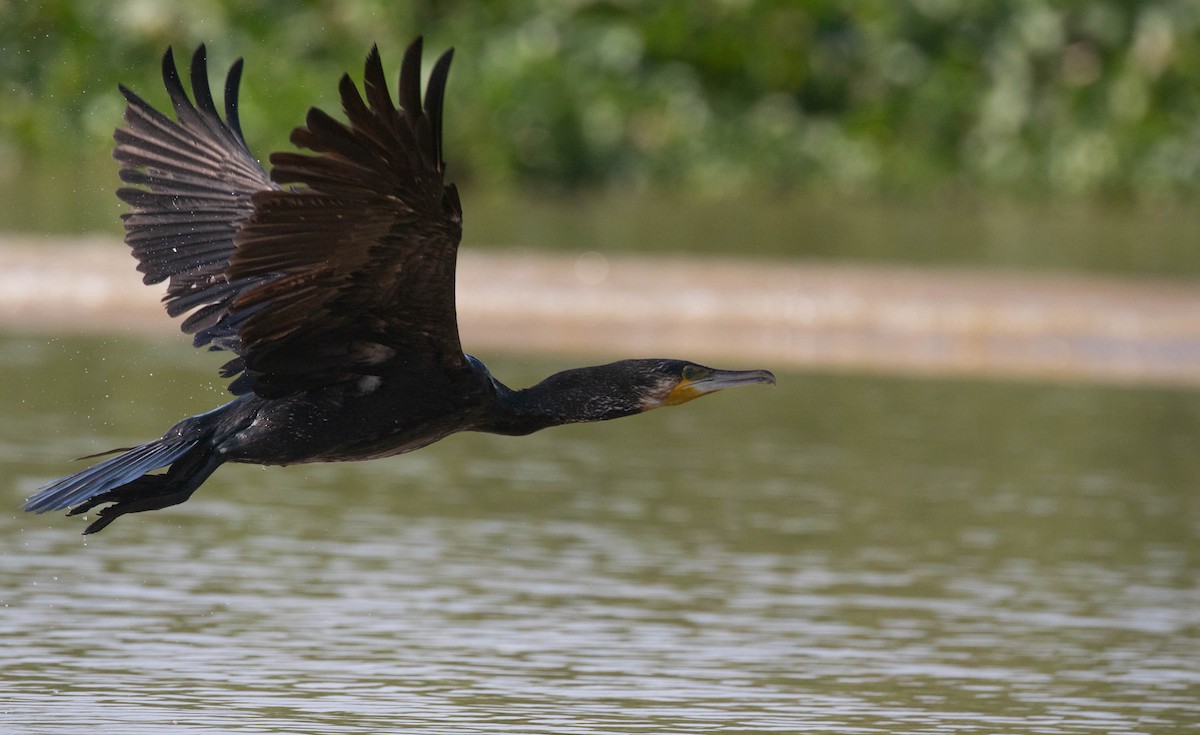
[105,476]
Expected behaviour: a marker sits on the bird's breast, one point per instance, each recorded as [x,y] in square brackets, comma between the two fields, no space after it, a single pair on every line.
[369,418]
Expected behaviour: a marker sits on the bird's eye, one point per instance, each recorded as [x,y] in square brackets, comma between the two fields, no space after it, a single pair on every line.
[690,372]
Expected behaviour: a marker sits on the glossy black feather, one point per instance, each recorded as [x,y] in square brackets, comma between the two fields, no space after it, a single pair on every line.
[73,489]
[193,179]
[360,249]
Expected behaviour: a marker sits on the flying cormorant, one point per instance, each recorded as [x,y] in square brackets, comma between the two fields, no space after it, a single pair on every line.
[331,281]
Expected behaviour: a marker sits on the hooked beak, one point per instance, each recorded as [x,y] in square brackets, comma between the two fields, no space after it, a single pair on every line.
[713,381]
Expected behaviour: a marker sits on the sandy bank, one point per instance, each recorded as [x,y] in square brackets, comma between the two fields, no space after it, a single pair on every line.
[780,315]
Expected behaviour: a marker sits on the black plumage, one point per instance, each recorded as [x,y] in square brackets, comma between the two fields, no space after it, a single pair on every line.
[331,282]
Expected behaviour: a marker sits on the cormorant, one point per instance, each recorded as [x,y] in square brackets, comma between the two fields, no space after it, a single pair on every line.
[331,281]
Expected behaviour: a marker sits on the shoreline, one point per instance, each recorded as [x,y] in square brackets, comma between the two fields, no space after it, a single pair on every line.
[783,315]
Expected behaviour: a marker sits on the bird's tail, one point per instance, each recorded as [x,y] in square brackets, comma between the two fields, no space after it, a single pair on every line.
[123,481]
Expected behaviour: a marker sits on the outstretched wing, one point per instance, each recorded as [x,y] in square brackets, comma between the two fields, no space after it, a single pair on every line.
[195,179]
[354,267]
[348,272]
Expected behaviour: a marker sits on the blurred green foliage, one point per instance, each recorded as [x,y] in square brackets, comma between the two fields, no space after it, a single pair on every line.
[1094,98]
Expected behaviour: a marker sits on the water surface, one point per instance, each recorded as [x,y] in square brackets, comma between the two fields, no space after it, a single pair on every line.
[840,554]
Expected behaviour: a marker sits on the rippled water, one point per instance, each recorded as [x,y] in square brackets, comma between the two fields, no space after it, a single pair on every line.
[841,554]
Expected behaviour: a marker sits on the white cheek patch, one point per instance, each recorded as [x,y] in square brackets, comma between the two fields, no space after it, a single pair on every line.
[656,396]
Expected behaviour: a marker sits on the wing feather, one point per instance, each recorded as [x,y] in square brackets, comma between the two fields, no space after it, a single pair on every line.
[191,183]
[361,252]
[312,284]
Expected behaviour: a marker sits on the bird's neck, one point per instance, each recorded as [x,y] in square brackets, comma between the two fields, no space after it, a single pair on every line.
[569,397]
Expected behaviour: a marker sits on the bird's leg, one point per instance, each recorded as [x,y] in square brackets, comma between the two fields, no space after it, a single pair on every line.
[152,492]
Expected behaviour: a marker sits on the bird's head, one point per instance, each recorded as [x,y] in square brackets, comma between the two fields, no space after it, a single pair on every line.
[621,388]
[672,382]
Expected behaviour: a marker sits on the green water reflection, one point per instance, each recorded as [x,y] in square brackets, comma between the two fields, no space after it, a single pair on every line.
[1148,239]
[839,554]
